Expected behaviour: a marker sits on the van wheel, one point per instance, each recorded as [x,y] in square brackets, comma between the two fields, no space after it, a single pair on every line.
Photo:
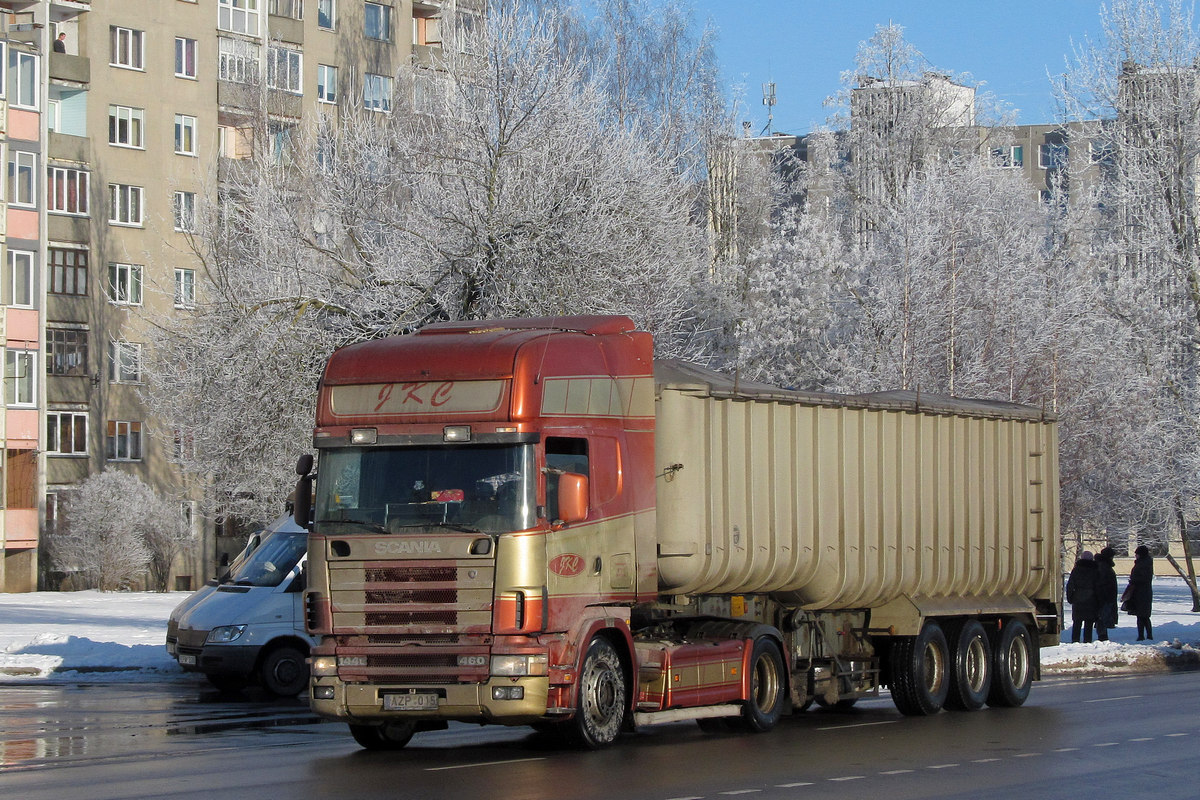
[388,736]
[603,697]
[284,671]
[767,688]
[920,680]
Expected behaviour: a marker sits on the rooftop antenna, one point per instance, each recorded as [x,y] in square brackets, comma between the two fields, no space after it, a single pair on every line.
[769,102]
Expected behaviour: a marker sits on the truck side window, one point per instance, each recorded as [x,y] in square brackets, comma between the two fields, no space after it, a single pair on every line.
[569,455]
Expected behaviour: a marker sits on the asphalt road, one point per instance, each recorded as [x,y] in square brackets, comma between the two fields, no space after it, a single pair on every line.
[1125,737]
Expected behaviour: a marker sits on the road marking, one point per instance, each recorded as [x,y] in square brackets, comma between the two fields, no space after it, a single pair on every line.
[897,772]
[489,764]
[941,766]
[741,791]
[859,725]
[1026,755]
[1178,734]
[1066,749]
[984,760]
[1106,744]
[1112,699]
[792,785]
[1143,739]
[847,778]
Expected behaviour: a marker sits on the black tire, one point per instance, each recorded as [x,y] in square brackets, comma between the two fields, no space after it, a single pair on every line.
[388,736]
[1012,666]
[768,688]
[227,683]
[971,667]
[284,671]
[920,676]
[603,697]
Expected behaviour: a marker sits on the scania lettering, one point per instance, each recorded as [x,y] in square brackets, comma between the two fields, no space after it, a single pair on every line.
[531,522]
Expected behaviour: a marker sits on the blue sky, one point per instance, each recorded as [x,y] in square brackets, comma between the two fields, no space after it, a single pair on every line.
[805,45]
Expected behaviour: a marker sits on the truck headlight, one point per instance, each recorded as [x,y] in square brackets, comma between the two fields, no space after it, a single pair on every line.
[324,666]
[225,634]
[519,666]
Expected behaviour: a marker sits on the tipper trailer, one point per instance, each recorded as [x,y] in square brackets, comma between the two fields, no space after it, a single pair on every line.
[530,522]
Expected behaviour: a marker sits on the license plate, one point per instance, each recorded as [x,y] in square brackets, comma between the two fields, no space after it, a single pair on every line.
[187,660]
[420,701]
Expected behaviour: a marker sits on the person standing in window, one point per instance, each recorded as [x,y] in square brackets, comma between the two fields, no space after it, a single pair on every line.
[60,44]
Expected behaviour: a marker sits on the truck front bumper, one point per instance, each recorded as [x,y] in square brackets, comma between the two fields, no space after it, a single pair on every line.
[505,701]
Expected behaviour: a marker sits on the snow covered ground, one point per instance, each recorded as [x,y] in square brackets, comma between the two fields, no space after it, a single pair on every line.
[96,636]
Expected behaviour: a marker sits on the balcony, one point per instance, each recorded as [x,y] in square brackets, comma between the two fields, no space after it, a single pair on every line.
[69,68]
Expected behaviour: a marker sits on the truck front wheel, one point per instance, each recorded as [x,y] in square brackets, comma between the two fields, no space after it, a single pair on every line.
[919,680]
[765,703]
[603,697]
[388,736]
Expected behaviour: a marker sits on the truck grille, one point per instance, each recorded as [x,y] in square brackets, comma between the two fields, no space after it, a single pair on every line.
[415,622]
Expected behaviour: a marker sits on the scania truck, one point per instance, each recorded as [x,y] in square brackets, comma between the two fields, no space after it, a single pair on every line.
[531,522]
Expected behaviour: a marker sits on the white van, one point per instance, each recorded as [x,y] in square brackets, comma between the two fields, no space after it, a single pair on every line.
[248,627]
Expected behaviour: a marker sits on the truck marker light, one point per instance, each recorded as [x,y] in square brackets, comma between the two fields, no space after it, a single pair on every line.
[456,433]
[363,436]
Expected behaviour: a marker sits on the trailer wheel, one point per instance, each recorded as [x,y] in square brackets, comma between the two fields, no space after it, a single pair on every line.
[920,680]
[388,736]
[284,671]
[1012,661]
[603,697]
[971,677]
[767,688]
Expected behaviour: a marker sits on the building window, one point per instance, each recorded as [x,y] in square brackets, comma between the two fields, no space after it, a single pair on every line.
[1052,156]
[427,28]
[127,48]
[185,288]
[326,14]
[3,69]
[377,92]
[124,204]
[237,61]
[67,191]
[126,126]
[1102,151]
[238,16]
[377,21]
[66,433]
[183,207]
[20,273]
[124,362]
[20,371]
[22,178]
[68,271]
[1008,157]
[125,284]
[66,351]
[326,83]
[292,9]
[123,441]
[185,135]
[185,57]
[283,69]
[24,75]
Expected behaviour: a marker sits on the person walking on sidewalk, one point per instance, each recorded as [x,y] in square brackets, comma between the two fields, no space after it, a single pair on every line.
[1081,594]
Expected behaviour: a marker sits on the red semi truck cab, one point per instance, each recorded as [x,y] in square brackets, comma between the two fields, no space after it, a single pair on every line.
[484,503]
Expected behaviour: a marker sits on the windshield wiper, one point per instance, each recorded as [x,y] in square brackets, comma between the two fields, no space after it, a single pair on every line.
[371,526]
[447,525]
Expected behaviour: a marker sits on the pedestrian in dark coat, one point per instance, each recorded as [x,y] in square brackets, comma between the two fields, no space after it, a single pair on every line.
[1106,593]
[1140,598]
[1081,594]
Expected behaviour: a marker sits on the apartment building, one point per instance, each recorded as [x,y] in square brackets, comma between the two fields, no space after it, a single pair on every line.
[137,109]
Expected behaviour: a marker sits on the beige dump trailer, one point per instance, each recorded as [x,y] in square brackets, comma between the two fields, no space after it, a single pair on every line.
[898,539]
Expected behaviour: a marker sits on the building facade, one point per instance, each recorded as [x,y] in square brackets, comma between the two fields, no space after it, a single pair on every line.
[119,120]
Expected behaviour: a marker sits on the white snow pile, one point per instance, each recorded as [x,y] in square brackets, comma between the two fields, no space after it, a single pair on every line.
[120,637]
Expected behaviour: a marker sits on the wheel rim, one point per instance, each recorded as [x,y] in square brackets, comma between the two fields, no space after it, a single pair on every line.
[976,665]
[286,671]
[765,685]
[602,696]
[934,668]
[1018,662]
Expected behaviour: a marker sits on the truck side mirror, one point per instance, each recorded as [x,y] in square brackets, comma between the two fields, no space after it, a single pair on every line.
[302,503]
[572,497]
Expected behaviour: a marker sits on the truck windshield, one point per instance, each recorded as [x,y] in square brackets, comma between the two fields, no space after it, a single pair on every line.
[271,561]
[486,488]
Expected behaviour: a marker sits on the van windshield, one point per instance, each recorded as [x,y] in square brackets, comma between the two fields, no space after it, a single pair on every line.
[272,561]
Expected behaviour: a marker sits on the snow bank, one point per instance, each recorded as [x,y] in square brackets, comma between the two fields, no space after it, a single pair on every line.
[120,637]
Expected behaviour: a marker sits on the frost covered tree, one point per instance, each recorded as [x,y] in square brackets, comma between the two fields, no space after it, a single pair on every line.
[1136,95]
[115,529]
[492,188]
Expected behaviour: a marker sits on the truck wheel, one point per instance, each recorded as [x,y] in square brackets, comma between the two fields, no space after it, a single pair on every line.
[1012,663]
[388,736]
[971,676]
[919,678]
[603,697]
[767,691]
[284,671]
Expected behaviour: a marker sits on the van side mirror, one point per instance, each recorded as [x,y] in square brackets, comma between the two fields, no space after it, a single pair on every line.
[572,497]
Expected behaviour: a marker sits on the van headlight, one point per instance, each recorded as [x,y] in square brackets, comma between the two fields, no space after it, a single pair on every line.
[225,634]
[517,666]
